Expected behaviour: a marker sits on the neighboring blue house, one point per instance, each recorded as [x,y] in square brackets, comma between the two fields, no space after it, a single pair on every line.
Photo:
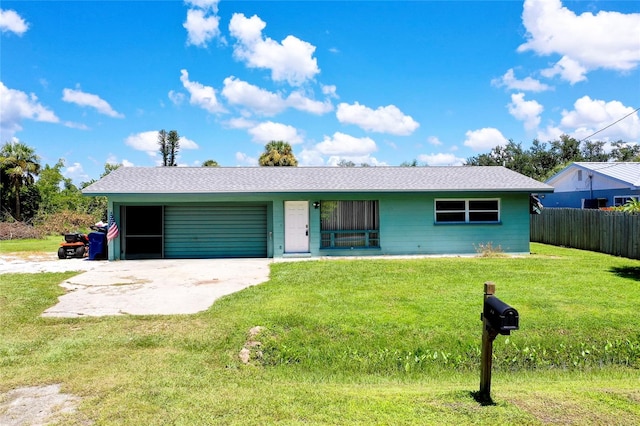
[594,185]
[209,212]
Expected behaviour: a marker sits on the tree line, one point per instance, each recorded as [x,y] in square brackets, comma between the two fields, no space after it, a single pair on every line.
[30,192]
[542,160]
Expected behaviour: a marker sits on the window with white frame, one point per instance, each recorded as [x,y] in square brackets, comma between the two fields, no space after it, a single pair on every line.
[622,200]
[467,210]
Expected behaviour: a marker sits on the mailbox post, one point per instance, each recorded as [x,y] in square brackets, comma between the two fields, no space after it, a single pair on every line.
[486,354]
[497,318]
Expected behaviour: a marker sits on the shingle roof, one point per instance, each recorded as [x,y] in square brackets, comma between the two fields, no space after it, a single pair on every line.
[195,180]
[625,172]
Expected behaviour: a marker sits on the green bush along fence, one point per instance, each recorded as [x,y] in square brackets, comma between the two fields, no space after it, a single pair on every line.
[610,232]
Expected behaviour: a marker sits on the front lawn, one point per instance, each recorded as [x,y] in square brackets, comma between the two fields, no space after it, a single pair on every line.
[350,342]
[48,244]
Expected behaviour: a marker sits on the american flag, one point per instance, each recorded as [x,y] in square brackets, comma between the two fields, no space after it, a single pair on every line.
[112,228]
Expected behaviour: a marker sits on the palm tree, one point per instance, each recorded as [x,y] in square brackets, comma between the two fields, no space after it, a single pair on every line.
[20,164]
[278,153]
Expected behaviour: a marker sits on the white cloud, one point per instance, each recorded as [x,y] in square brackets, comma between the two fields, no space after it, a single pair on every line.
[528,84]
[609,40]
[261,101]
[83,99]
[245,160]
[387,119]
[148,142]
[204,4]
[264,102]
[567,69]
[310,157]
[74,125]
[590,115]
[187,143]
[113,160]
[341,144]
[433,140]
[201,95]
[330,91]
[144,141]
[76,173]
[16,106]
[357,160]
[339,148]
[10,21]
[441,159]
[291,61]
[270,131]
[525,111]
[550,133]
[240,123]
[484,139]
[201,27]
[298,100]
[176,97]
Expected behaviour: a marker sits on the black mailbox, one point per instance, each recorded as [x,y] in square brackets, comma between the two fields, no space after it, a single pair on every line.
[500,316]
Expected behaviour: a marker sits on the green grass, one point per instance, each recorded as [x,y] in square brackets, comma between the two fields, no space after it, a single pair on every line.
[47,244]
[350,342]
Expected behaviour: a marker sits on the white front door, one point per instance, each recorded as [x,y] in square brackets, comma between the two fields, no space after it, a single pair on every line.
[296,226]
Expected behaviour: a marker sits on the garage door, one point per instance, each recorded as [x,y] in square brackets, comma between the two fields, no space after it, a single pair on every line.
[214,231]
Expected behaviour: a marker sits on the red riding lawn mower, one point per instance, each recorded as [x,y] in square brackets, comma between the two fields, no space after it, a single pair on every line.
[77,244]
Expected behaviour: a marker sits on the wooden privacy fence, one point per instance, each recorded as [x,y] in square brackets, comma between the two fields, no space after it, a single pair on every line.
[610,232]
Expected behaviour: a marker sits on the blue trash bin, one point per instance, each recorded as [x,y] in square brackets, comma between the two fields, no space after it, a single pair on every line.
[97,245]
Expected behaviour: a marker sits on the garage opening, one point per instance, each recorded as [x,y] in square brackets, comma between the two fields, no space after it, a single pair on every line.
[143,232]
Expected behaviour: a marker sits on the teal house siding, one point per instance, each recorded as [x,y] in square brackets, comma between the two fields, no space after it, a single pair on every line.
[511,234]
[405,223]
[240,212]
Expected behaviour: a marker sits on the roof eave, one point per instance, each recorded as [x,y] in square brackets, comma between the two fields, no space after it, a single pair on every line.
[324,191]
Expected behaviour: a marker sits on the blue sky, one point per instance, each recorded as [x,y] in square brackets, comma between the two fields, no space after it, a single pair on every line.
[380,82]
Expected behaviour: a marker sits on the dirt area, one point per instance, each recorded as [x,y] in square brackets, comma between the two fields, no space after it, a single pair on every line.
[36,405]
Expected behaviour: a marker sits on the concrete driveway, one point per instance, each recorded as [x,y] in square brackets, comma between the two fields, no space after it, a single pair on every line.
[155,287]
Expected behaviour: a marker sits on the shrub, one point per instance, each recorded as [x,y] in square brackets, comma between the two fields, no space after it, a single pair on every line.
[18,231]
[63,222]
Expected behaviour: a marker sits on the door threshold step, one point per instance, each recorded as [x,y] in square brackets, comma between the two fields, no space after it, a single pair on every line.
[296,255]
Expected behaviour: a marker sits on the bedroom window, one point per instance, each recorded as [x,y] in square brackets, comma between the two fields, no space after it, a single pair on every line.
[349,224]
[467,211]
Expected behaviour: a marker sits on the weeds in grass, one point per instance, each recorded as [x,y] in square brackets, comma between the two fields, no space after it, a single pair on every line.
[488,250]
[570,356]
[509,357]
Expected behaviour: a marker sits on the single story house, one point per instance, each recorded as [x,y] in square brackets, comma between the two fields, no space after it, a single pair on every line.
[593,185]
[209,212]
